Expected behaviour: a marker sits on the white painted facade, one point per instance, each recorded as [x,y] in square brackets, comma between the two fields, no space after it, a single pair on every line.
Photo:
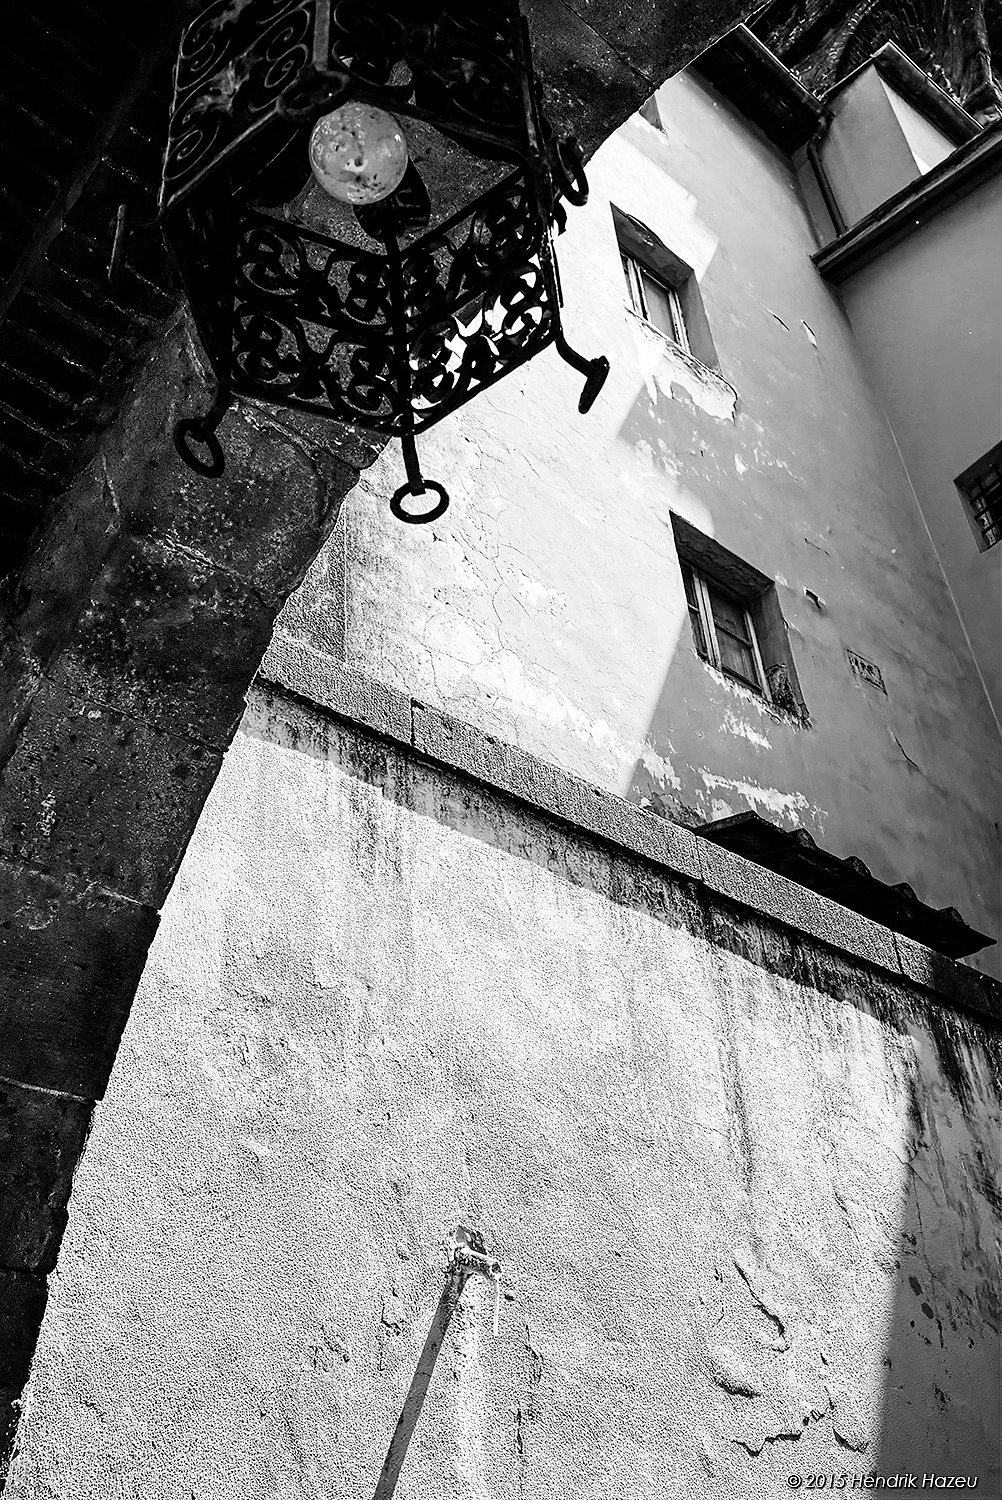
[547,606]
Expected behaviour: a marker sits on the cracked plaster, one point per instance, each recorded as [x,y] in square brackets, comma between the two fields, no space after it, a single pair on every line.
[713,1190]
[546,606]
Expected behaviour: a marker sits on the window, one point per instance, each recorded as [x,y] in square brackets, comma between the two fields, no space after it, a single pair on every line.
[736,620]
[663,290]
[981,487]
[723,631]
[656,302]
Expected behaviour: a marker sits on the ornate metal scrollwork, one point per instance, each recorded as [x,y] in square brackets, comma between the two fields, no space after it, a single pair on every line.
[413,315]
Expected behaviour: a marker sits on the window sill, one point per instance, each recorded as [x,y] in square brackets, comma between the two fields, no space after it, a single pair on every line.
[704,386]
[794,719]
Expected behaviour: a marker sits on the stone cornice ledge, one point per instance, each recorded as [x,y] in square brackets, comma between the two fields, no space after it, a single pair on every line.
[974,163]
[439,738]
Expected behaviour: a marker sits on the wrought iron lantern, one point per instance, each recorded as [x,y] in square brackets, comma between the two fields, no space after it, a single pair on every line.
[360,199]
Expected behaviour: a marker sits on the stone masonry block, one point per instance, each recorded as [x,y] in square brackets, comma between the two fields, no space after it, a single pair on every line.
[264,519]
[101,797]
[168,638]
[22,1303]
[954,981]
[60,572]
[22,1306]
[775,896]
[320,679]
[20,675]
[824,969]
[522,775]
[69,965]
[761,941]
[41,1137]
[46,600]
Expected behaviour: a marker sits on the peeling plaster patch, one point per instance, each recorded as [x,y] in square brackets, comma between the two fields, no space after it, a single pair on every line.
[663,366]
[643,450]
[766,461]
[458,660]
[662,770]
[734,725]
[708,391]
[793,806]
[738,690]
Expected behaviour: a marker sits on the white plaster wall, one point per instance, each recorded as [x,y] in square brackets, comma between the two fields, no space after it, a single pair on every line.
[928,317]
[928,145]
[868,150]
[547,606]
[378,1006]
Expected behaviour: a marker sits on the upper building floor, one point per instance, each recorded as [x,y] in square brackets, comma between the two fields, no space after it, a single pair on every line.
[715,593]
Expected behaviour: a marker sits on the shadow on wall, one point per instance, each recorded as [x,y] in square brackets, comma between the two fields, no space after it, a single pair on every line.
[711,725]
[677,398]
[944,1345]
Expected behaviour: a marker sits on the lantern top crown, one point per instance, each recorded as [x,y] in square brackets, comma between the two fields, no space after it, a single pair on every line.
[252,68]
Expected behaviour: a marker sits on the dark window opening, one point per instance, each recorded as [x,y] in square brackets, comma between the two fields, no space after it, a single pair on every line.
[981,487]
[655,301]
[723,631]
[663,289]
[736,620]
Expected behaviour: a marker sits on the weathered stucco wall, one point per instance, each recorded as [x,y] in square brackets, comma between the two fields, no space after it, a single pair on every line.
[547,605]
[928,318]
[743,1203]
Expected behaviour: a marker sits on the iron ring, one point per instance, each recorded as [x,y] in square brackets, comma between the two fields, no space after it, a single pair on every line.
[437,510]
[192,427]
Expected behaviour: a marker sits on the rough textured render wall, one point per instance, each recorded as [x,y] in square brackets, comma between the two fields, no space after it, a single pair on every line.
[743,1207]
[547,606]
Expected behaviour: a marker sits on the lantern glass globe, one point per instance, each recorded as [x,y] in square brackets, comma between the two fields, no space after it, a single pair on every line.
[358,154]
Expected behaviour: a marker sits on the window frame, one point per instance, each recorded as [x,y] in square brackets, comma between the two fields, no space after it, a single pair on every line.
[635,271]
[976,486]
[702,583]
[669,270]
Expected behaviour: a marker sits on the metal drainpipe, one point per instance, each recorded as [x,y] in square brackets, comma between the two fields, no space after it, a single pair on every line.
[814,157]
